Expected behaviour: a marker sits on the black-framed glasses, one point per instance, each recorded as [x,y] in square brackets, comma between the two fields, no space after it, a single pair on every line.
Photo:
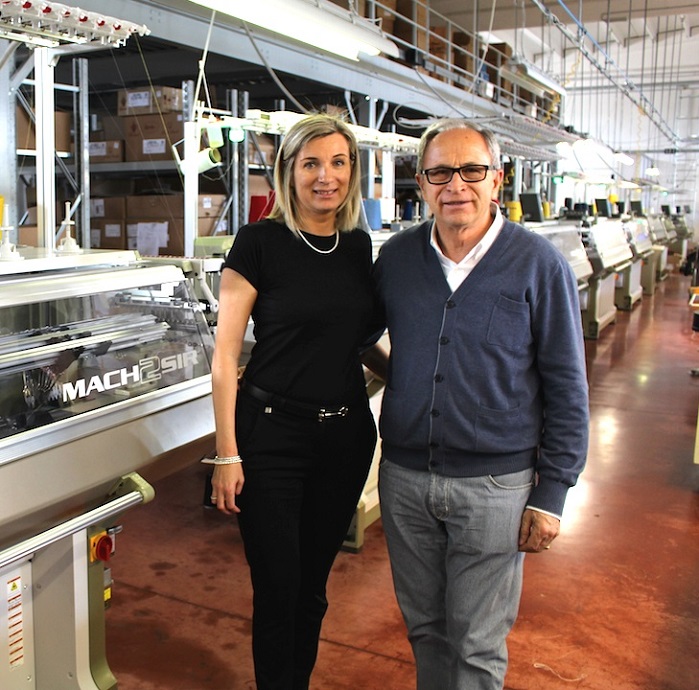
[468,173]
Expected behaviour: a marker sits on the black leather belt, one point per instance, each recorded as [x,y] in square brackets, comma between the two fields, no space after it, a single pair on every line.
[276,403]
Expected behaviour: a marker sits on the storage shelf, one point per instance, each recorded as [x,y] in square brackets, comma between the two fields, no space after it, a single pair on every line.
[134,167]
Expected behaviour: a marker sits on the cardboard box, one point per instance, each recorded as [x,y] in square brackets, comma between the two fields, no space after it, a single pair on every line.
[29,235]
[111,151]
[210,205]
[266,145]
[211,226]
[384,15]
[526,102]
[114,207]
[33,214]
[155,206]
[109,127]
[112,186]
[497,57]
[415,30]
[26,131]
[146,100]
[404,31]
[438,42]
[463,52]
[258,185]
[387,14]
[150,137]
[152,237]
[108,233]
[164,206]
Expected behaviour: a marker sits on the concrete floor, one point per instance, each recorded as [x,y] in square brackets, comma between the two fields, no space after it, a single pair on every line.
[614,604]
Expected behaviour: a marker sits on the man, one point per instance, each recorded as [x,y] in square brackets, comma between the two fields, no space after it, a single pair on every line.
[485,412]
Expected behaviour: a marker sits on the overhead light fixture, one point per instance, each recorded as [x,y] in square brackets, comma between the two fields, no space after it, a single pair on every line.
[627,184]
[652,171]
[584,146]
[317,23]
[623,158]
[565,150]
[525,74]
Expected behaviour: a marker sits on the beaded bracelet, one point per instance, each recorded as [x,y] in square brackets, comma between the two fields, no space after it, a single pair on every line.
[228,460]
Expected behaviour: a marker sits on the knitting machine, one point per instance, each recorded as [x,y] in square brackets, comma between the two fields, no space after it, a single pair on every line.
[105,385]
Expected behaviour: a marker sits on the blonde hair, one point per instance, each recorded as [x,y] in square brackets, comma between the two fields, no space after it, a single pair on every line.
[285,207]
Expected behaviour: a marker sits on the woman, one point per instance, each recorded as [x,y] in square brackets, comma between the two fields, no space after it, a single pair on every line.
[295,441]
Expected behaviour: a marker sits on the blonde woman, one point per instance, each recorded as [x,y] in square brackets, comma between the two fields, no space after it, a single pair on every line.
[296,439]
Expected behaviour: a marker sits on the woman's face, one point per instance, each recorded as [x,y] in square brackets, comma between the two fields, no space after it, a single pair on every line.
[321,177]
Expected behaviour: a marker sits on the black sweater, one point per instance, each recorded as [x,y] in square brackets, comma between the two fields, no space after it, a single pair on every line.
[312,311]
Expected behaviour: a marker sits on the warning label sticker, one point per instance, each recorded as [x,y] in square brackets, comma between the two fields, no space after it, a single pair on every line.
[15,621]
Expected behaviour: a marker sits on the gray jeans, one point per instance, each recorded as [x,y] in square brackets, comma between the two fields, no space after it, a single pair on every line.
[456,570]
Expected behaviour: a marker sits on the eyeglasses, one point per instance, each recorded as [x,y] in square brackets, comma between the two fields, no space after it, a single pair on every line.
[468,173]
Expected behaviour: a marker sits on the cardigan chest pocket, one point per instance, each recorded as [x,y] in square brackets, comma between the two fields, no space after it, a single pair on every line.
[510,324]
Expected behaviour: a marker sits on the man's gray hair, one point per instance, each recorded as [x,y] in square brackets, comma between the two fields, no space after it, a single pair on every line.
[457,123]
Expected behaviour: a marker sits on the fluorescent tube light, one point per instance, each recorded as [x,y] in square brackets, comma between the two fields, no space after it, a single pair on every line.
[317,23]
[623,158]
[565,150]
[531,77]
[627,184]
[522,81]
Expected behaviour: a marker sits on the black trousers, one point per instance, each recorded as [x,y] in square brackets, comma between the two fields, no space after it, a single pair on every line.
[303,479]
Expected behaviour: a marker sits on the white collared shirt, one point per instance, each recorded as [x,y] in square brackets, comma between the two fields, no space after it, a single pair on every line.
[456,273]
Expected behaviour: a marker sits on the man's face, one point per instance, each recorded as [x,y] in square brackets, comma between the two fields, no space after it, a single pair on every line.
[459,205]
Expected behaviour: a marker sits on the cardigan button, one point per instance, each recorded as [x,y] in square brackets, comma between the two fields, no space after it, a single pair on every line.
[435,413]
[451,304]
[438,378]
[444,340]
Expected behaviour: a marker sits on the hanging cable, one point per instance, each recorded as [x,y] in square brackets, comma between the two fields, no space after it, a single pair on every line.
[621,82]
[441,98]
[271,71]
[201,76]
[670,79]
[643,53]
[676,108]
[480,59]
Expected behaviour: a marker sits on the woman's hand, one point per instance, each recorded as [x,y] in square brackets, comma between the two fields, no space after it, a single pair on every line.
[227,483]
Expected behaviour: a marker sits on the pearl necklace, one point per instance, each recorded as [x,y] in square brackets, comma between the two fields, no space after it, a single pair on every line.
[322,251]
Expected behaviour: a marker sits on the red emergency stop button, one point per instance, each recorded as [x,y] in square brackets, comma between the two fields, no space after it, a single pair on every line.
[102,547]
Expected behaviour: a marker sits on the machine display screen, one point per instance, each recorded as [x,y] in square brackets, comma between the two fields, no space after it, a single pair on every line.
[604,208]
[532,208]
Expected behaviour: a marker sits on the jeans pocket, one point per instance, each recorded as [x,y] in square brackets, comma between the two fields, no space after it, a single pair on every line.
[515,481]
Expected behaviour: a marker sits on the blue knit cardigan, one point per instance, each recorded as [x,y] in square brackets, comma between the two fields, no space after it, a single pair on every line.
[491,378]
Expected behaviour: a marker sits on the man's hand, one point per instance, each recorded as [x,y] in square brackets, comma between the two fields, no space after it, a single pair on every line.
[537,531]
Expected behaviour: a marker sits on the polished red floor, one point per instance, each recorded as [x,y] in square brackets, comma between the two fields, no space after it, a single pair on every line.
[614,605]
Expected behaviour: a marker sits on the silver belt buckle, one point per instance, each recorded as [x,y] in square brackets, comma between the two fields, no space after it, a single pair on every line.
[328,414]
